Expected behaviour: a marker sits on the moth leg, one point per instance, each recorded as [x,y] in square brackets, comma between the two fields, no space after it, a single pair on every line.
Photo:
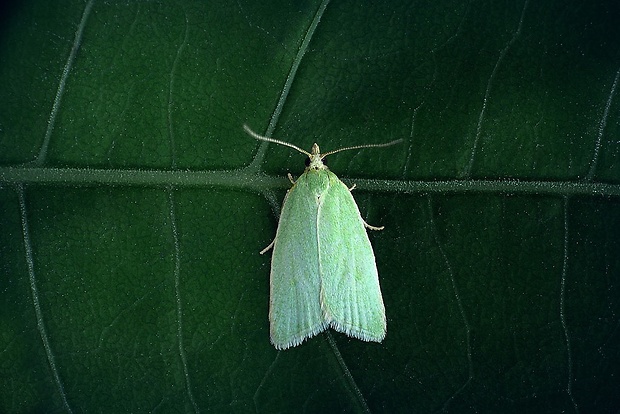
[368,226]
[266,249]
[290,177]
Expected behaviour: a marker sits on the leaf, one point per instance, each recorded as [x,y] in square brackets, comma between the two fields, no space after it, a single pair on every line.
[134,206]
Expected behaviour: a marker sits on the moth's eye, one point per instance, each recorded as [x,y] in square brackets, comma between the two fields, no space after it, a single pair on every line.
[307,162]
[324,160]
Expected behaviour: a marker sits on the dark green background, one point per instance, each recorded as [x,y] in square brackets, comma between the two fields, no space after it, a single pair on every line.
[127,182]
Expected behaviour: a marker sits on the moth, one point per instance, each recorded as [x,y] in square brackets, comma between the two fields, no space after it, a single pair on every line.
[323,270]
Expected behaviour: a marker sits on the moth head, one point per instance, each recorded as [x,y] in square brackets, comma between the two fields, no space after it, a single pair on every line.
[315,159]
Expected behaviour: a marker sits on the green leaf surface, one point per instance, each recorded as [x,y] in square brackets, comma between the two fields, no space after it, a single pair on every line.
[133,206]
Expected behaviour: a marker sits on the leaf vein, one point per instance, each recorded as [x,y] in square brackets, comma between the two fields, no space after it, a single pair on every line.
[77,42]
[35,299]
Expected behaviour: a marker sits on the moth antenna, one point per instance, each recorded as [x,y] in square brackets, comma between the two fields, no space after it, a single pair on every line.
[275,141]
[387,144]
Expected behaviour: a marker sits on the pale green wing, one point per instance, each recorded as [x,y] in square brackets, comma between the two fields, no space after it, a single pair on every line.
[351,296]
[294,306]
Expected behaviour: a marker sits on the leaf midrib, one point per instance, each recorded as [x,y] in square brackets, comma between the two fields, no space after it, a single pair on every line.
[242,178]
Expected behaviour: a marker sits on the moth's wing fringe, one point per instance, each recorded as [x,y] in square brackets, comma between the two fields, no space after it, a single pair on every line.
[355,334]
[298,339]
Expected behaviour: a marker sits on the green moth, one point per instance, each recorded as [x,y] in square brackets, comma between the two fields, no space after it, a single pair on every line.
[323,271]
